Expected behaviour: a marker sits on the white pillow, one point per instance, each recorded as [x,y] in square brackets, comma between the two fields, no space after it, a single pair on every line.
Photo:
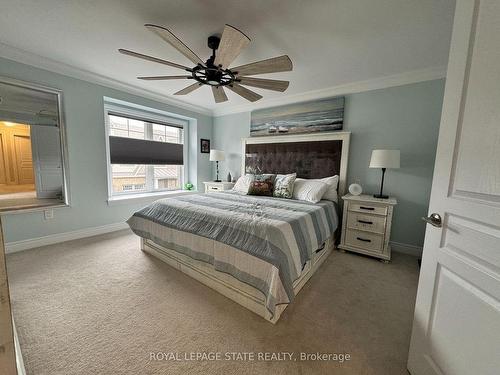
[309,190]
[243,184]
[331,192]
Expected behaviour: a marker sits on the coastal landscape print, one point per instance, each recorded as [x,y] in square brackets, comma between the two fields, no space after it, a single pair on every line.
[299,118]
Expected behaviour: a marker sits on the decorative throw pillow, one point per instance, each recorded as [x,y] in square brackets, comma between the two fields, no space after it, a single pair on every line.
[283,185]
[331,192]
[309,190]
[243,184]
[262,184]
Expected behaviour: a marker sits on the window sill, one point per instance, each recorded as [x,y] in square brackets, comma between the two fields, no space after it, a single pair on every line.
[132,198]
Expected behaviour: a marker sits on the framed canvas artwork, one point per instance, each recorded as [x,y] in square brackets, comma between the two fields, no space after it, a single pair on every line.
[299,118]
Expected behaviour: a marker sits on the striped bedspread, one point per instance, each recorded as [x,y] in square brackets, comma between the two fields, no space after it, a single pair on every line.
[262,241]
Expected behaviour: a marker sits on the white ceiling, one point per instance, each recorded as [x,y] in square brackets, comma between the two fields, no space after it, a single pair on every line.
[330,42]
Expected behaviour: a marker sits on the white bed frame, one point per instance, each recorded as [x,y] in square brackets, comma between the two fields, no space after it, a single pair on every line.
[227,285]
[242,293]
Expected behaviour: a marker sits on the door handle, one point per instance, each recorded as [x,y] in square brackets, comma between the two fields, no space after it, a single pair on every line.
[434,219]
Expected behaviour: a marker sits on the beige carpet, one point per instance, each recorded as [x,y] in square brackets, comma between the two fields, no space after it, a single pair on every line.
[101,306]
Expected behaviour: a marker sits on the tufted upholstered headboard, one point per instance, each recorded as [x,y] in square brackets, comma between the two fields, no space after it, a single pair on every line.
[308,159]
[310,155]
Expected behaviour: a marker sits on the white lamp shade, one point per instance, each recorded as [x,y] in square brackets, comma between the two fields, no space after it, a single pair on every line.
[385,159]
[217,155]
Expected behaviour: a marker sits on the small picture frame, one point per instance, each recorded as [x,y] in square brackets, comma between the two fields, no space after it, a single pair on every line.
[205,146]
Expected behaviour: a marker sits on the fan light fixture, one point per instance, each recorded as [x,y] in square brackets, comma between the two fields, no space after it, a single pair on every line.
[215,72]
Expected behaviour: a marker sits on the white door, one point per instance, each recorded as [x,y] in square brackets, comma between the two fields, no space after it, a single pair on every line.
[47,160]
[456,328]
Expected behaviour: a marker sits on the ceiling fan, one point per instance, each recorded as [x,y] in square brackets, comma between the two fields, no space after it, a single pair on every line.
[216,72]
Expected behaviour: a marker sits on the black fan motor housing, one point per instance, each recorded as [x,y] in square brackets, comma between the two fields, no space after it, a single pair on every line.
[213,42]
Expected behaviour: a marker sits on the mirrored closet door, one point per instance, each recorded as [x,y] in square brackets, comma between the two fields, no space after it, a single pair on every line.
[33,171]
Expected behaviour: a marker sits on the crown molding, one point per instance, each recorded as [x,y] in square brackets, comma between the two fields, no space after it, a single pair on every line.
[28,58]
[37,61]
[350,88]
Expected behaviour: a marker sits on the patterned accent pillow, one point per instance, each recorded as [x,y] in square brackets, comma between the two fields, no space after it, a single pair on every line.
[262,184]
[283,186]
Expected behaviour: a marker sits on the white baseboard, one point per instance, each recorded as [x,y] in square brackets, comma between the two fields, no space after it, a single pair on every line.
[13,247]
[404,248]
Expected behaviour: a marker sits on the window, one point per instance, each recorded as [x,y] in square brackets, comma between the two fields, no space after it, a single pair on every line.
[146,151]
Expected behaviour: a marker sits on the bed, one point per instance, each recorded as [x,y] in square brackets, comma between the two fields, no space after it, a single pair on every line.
[258,251]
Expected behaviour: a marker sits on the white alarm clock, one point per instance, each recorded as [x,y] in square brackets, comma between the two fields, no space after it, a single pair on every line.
[355,189]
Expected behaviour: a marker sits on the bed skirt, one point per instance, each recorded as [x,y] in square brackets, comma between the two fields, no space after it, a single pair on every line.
[241,293]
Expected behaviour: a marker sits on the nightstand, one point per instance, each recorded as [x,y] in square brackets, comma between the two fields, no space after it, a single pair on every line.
[218,186]
[366,225]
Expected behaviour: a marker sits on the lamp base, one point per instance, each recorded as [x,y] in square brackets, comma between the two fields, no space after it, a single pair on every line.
[380,196]
[217,181]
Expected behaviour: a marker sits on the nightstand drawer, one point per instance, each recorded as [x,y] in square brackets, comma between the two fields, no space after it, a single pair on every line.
[212,186]
[367,208]
[366,222]
[364,240]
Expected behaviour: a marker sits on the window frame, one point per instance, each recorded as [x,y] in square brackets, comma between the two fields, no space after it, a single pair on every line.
[146,114]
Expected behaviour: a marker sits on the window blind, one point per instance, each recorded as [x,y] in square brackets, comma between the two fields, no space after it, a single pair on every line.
[140,151]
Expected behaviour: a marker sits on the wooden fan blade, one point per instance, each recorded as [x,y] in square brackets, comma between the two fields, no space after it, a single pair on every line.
[268,84]
[187,90]
[153,59]
[161,78]
[219,94]
[232,42]
[244,92]
[272,65]
[175,42]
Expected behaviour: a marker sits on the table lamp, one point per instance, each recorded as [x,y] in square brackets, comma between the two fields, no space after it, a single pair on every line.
[384,159]
[217,156]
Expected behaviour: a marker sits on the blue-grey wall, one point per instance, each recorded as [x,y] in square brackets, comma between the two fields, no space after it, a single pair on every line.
[84,118]
[404,117]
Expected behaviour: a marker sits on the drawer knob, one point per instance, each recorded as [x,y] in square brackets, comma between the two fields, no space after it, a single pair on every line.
[365,221]
[367,208]
[363,239]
